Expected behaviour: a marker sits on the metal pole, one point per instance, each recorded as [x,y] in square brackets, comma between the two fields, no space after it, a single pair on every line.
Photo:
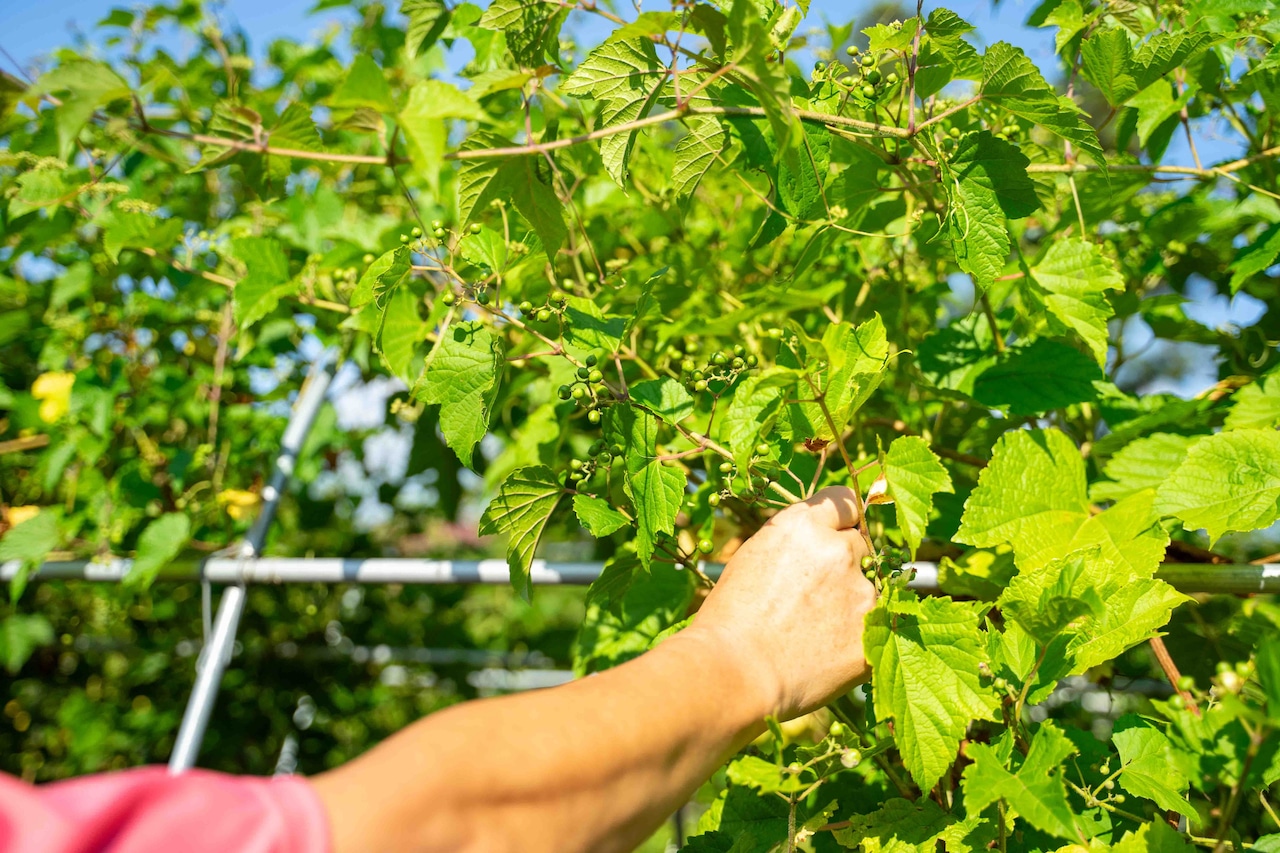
[215,656]
[1221,578]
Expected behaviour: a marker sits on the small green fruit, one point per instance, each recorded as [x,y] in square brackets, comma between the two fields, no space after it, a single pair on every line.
[483,297]
[595,375]
[594,416]
[416,231]
[726,467]
[1000,684]
[448,297]
[591,361]
[837,729]
[475,227]
[575,464]
[436,224]
[868,91]
[404,238]
[752,361]
[564,392]
[713,499]
[762,449]
[583,373]
[1186,683]
[578,393]
[719,359]
[705,546]
[868,562]
[954,132]
[850,758]
[868,61]
[700,385]
[544,315]
[737,364]
[851,50]
[774,334]
[891,78]
[873,76]
[368,259]
[795,768]
[525,307]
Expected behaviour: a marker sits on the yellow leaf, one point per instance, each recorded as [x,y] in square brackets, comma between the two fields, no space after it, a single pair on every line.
[238,503]
[53,390]
[19,514]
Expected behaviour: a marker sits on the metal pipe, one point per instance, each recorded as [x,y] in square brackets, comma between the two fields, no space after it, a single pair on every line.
[216,653]
[1223,578]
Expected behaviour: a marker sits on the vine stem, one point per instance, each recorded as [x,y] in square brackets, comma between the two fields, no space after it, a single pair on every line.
[1171,672]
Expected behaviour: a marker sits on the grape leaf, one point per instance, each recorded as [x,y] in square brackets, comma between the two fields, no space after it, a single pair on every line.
[1158,837]
[161,541]
[1011,81]
[1036,377]
[752,411]
[986,183]
[424,121]
[857,364]
[401,332]
[626,624]
[695,152]
[28,544]
[20,635]
[364,86]
[1107,63]
[266,280]
[664,397]
[521,508]
[427,21]
[656,491]
[898,826]
[598,516]
[1256,406]
[1228,481]
[1147,765]
[385,273]
[1074,276]
[85,85]
[914,475]
[462,379]
[532,28]
[924,656]
[625,76]
[1142,464]
[514,178]
[751,771]
[137,231]
[1034,789]
[1256,258]
[1031,495]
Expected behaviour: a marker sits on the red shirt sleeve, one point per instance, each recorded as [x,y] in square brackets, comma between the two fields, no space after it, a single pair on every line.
[147,810]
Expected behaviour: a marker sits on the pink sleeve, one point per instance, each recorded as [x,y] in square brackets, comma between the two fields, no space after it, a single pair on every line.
[146,810]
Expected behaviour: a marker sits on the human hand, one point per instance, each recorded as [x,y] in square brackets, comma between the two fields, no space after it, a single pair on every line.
[789,607]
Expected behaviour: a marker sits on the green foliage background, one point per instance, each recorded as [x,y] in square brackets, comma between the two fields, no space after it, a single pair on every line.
[681,281]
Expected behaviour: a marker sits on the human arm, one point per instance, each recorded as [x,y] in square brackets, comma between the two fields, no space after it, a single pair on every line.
[598,764]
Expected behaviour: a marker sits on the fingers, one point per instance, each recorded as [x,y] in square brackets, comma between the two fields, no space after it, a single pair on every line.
[834,507]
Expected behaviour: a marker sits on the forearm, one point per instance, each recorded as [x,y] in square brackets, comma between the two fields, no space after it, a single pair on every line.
[594,766]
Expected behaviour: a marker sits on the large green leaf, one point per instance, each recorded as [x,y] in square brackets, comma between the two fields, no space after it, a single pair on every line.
[1011,81]
[1037,377]
[1033,788]
[986,183]
[1256,406]
[624,74]
[265,282]
[425,123]
[1075,276]
[462,379]
[1255,258]
[516,178]
[1031,496]
[664,397]
[1229,481]
[901,826]
[521,509]
[532,28]
[914,475]
[427,20]
[161,541]
[598,516]
[925,656]
[402,332]
[1148,767]
[1142,464]
[364,86]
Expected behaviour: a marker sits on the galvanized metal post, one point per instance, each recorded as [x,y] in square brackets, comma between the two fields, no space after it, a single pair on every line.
[216,654]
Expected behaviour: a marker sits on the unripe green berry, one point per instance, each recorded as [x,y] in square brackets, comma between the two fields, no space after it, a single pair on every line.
[583,373]
[700,385]
[868,61]
[837,729]
[578,392]
[774,334]
[713,499]
[436,224]
[867,561]
[954,132]
[737,364]
[1118,799]
[416,231]
[595,375]
[719,359]
[590,361]
[544,315]
[1187,683]
[474,227]
[368,259]
[448,297]
[752,361]
[525,307]
[1000,684]
[739,350]
[762,449]
[404,238]
[439,233]
[726,467]
[594,416]
[558,296]
[564,392]
[850,758]
[592,278]
[705,546]
[567,283]
[891,78]
[795,768]
[873,76]
[868,91]
[483,297]
[851,50]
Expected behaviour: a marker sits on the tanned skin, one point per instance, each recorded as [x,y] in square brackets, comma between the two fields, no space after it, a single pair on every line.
[596,765]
